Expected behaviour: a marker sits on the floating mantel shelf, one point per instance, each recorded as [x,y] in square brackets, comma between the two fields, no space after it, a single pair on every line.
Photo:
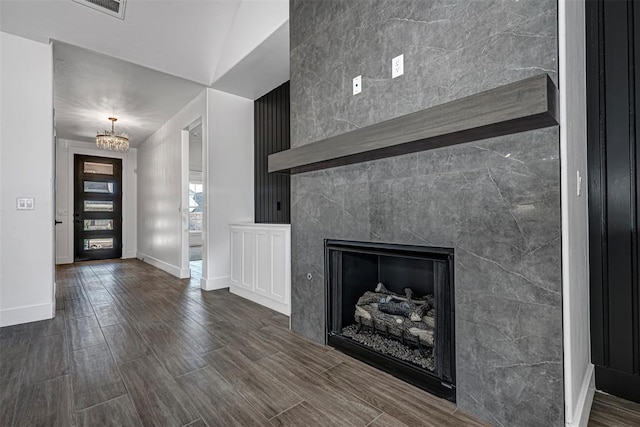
[517,107]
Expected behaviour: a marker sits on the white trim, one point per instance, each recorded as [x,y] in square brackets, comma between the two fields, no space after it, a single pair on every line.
[214,283]
[30,313]
[259,299]
[574,210]
[128,255]
[206,217]
[181,273]
[186,177]
[585,399]
[184,197]
[195,124]
[63,260]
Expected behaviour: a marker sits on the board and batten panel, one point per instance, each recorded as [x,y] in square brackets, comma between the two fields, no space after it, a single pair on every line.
[236,257]
[278,273]
[271,135]
[263,264]
[248,241]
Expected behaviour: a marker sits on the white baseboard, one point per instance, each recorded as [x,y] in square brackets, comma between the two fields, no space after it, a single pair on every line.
[214,283]
[180,273]
[585,399]
[129,255]
[64,260]
[31,313]
[259,299]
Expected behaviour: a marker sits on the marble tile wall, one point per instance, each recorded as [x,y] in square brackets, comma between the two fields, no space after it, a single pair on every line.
[496,202]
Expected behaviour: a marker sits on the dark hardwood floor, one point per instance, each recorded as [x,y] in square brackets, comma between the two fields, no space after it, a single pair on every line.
[131,345]
[609,411]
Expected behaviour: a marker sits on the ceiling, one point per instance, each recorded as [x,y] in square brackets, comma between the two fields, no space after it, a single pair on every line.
[145,68]
[193,39]
[89,87]
[270,59]
[183,38]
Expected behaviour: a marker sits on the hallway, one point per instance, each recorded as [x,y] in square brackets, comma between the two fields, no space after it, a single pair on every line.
[132,345]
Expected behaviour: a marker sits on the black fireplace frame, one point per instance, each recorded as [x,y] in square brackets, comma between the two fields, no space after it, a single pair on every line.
[442,386]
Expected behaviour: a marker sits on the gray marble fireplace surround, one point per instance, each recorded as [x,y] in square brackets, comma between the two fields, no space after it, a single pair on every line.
[496,202]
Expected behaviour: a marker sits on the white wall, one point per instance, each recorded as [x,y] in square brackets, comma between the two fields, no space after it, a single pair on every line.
[65,151]
[161,214]
[26,170]
[254,22]
[228,176]
[578,370]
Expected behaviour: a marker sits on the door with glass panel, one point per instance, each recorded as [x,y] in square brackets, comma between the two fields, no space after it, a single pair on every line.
[98,208]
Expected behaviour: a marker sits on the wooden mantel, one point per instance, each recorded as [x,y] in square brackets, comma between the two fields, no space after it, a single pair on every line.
[517,107]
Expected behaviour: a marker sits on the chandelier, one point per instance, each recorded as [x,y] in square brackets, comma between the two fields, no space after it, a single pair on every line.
[108,140]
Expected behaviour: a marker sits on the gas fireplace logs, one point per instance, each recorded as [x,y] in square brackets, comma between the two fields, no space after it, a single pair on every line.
[401,317]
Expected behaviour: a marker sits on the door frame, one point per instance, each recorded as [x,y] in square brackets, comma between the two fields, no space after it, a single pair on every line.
[80,214]
[184,181]
[126,186]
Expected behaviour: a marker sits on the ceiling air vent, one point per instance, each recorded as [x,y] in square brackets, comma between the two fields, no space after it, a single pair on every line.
[110,7]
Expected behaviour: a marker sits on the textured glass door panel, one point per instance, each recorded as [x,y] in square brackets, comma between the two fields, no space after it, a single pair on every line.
[99,168]
[98,206]
[98,187]
[98,224]
[95,244]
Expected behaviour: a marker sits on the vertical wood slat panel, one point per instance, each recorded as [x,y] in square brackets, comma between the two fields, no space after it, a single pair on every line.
[271,134]
[613,109]
[618,132]
[597,199]
[277,140]
[636,236]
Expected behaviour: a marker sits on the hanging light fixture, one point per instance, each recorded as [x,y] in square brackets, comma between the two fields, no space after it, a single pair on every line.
[108,140]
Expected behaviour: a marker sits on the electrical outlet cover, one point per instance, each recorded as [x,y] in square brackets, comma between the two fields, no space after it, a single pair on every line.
[357,85]
[397,66]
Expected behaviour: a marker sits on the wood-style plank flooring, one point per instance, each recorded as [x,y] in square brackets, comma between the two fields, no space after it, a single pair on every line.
[610,411]
[133,346]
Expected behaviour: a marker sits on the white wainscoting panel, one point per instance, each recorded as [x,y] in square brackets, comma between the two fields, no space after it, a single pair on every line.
[261,264]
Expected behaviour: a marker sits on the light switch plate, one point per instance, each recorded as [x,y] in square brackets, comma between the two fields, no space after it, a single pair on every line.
[25,203]
[397,66]
[357,85]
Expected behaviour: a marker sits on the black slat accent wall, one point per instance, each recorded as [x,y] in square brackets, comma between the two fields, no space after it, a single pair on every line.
[613,98]
[271,127]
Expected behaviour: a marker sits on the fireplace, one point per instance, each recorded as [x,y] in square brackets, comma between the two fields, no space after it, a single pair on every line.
[391,306]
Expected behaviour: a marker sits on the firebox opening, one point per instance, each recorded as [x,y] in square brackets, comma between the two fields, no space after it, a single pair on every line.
[391,306]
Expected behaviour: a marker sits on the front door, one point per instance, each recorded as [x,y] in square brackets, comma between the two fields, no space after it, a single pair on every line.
[97,208]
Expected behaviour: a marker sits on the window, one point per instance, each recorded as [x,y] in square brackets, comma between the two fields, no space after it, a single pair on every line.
[102,243]
[98,168]
[98,224]
[195,206]
[98,187]
[98,206]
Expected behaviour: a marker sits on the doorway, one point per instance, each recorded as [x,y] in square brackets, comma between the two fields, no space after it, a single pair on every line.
[194,193]
[97,213]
